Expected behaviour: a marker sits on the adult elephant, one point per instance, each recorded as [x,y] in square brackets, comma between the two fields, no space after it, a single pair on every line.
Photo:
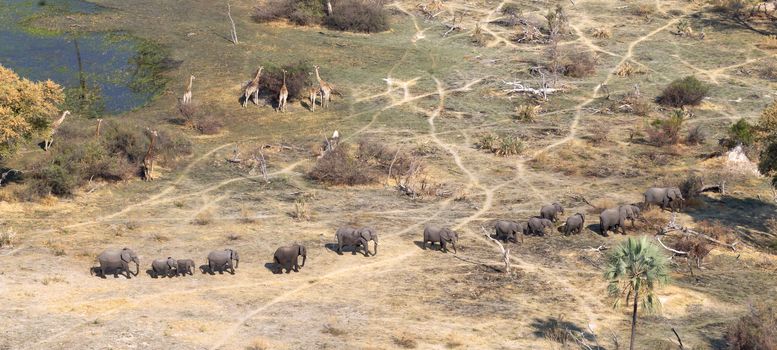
[221,260]
[164,267]
[508,230]
[612,219]
[117,260]
[574,224]
[670,197]
[536,226]
[349,236]
[288,258]
[442,235]
[551,211]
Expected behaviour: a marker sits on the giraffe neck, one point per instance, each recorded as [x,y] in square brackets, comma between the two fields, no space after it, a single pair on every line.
[258,74]
[284,78]
[318,77]
[191,80]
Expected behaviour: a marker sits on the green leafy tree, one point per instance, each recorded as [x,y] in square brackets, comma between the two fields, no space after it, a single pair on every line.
[26,108]
[767,137]
[634,269]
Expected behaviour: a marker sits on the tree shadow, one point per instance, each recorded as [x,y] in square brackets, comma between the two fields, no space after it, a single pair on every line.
[746,213]
[556,329]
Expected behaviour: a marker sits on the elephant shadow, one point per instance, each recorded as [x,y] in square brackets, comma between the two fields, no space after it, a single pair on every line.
[432,246]
[153,274]
[95,271]
[116,273]
[205,269]
[274,268]
[556,329]
[353,249]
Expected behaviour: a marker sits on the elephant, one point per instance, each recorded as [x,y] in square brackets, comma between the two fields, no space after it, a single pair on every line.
[665,197]
[551,211]
[349,236]
[221,260]
[164,267]
[443,235]
[185,266]
[574,224]
[116,261]
[288,257]
[508,230]
[612,219]
[536,225]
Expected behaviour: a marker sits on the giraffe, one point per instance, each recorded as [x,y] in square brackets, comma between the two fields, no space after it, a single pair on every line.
[187,96]
[284,94]
[325,89]
[99,123]
[54,127]
[252,88]
[312,94]
[148,159]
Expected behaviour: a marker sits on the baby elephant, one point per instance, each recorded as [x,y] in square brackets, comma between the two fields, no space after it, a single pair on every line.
[164,267]
[536,226]
[551,212]
[443,235]
[288,258]
[185,266]
[508,230]
[574,224]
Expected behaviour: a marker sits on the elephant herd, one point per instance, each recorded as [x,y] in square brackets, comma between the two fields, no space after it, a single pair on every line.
[285,258]
[610,219]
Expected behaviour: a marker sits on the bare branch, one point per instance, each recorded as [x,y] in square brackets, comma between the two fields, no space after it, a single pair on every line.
[505,252]
[234,30]
[678,252]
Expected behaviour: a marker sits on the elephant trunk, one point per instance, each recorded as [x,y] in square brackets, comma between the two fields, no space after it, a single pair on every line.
[304,258]
[137,268]
[237,261]
[454,247]
[376,249]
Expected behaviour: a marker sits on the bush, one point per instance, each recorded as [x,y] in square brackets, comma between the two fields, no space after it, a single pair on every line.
[208,125]
[339,167]
[580,63]
[52,180]
[666,131]
[757,330]
[500,145]
[601,33]
[298,78]
[300,12]
[367,16]
[684,92]
[691,186]
[696,135]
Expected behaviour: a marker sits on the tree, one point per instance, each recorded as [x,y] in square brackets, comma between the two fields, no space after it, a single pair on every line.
[634,269]
[25,108]
[767,137]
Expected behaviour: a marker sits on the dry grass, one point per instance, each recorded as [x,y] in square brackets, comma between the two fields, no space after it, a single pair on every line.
[527,112]
[404,340]
[601,32]
[7,237]
[627,69]
[500,145]
[644,10]
[768,42]
[158,237]
[301,210]
[259,344]
[53,279]
[203,218]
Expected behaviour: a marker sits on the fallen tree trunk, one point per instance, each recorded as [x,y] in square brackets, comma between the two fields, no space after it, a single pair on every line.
[673,226]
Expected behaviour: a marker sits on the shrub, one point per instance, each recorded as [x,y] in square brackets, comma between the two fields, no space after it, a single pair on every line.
[52,180]
[666,131]
[691,186]
[754,331]
[696,135]
[339,167]
[208,125]
[7,238]
[768,71]
[298,78]
[580,63]
[367,16]
[203,218]
[684,92]
[404,340]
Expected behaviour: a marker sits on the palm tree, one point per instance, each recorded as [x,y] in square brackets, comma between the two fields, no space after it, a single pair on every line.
[634,269]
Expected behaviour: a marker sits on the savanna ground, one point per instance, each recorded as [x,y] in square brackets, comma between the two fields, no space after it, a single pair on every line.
[428,94]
